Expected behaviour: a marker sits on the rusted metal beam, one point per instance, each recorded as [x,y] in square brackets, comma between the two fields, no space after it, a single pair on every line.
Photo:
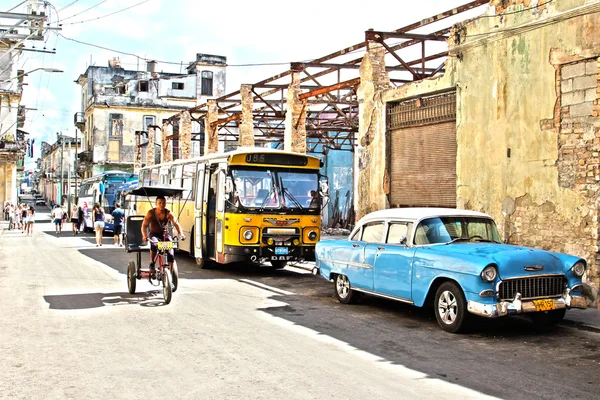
[380,35]
[331,88]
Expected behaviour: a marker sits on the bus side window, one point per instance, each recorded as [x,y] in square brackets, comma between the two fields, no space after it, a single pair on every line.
[176,175]
[154,177]
[189,172]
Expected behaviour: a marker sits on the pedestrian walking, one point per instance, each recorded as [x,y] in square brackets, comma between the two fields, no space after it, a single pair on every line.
[74,219]
[80,217]
[57,218]
[30,220]
[11,217]
[118,219]
[98,219]
[23,217]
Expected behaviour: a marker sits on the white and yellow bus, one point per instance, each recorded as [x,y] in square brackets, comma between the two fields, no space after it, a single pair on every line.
[250,205]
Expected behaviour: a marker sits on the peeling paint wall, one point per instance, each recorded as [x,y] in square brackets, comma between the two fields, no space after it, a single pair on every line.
[527,121]
[372,177]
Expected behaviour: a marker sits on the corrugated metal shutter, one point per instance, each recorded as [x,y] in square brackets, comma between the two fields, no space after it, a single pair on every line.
[423,166]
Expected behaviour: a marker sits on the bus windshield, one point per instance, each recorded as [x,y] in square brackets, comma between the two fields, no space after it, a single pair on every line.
[275,188]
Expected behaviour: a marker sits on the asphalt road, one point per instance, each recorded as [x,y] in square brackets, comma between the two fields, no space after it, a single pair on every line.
[70,330]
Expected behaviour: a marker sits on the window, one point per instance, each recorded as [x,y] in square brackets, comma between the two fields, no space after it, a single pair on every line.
[373,232]
[142,86]
[176,174]
[207,83]
[175,148]
[177,85]
[189,173]
[149,120]
[114,148]
[115,127]
[154,177]
[397,232]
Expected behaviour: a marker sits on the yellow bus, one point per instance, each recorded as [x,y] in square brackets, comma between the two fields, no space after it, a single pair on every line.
[250,205]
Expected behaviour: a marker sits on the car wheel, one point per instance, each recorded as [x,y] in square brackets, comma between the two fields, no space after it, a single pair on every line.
[547,318]
[343,290]
[450,307]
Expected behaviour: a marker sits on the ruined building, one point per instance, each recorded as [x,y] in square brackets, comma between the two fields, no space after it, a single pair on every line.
[511,128]
[121,106]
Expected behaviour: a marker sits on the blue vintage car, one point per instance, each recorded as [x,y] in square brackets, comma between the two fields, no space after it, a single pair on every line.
[455,260]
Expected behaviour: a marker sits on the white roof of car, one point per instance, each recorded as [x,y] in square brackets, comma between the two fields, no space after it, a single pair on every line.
[418,213]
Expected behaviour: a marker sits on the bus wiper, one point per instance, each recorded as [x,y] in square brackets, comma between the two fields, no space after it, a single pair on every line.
[290,196]
[266,200]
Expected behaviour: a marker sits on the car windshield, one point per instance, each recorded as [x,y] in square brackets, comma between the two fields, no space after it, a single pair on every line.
[456,229]
[275,188]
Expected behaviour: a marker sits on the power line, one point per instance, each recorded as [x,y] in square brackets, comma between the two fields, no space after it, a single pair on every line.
[164,62]
[87,9]
[107,15]
[68,5]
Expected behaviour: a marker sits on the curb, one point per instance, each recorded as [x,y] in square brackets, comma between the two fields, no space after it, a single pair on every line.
[582,326]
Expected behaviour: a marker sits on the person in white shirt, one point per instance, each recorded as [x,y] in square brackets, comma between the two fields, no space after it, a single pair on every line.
[57,218]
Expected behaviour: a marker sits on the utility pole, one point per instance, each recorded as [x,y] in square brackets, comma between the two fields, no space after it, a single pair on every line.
[76,163]
[62,169]
[69,183]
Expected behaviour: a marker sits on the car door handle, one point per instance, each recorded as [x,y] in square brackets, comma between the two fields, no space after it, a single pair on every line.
[381,248]
[355,246]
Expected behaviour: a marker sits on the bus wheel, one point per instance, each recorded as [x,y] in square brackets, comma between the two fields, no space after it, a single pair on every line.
[278,264]
[201,263]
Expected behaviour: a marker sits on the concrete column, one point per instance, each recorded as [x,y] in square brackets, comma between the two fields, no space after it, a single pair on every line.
[185,135]
[166,154]
[294,137]
[150,147]
[247,125]
[137,158]
[211,140]
[370,160]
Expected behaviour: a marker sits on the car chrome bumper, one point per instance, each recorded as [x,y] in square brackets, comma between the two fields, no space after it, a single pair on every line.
[518,306]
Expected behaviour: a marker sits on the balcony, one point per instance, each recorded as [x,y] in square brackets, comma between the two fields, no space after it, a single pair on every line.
[79,120]
[85,156]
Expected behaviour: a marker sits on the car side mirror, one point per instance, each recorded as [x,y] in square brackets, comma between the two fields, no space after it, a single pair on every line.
[403,241]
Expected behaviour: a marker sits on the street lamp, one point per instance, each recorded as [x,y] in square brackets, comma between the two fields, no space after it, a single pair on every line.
[33,70]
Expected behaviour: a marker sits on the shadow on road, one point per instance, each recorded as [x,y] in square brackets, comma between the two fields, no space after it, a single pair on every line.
[95,300]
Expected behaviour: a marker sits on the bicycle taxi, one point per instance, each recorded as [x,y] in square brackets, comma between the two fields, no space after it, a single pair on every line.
[163,275]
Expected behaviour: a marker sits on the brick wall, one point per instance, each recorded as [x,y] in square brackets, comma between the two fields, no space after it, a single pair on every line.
[578,163]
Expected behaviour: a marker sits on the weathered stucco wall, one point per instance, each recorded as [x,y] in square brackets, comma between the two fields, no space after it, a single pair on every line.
[510,93]
[132,121]
[523,156]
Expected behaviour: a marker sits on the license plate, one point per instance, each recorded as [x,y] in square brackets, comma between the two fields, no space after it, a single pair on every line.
[281,250]
[164,245]
[543,305]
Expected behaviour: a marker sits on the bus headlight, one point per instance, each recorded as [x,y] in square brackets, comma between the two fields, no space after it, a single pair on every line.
[312,235]
[270,241]
[296,242]
[248,235]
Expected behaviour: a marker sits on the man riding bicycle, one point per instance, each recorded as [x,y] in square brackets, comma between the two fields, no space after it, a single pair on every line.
[156,219]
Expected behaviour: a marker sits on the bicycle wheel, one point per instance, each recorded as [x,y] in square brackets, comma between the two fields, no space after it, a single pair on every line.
[167,288]
[131,277]
[175,276]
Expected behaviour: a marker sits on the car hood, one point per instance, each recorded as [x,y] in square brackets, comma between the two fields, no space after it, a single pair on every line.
[511,260]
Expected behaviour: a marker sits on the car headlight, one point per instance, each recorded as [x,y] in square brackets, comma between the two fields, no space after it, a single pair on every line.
[578,269]
[489,273]
[248,234]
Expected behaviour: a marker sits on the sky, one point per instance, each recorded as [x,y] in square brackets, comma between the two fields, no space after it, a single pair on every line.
[266,34]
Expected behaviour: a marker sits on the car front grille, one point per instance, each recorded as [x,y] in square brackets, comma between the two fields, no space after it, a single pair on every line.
[532,287]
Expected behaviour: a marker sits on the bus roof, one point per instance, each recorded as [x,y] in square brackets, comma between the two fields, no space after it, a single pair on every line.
[229,154]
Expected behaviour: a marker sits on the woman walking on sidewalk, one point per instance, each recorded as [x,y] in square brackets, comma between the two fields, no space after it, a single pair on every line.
[29,221]
[98,217]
